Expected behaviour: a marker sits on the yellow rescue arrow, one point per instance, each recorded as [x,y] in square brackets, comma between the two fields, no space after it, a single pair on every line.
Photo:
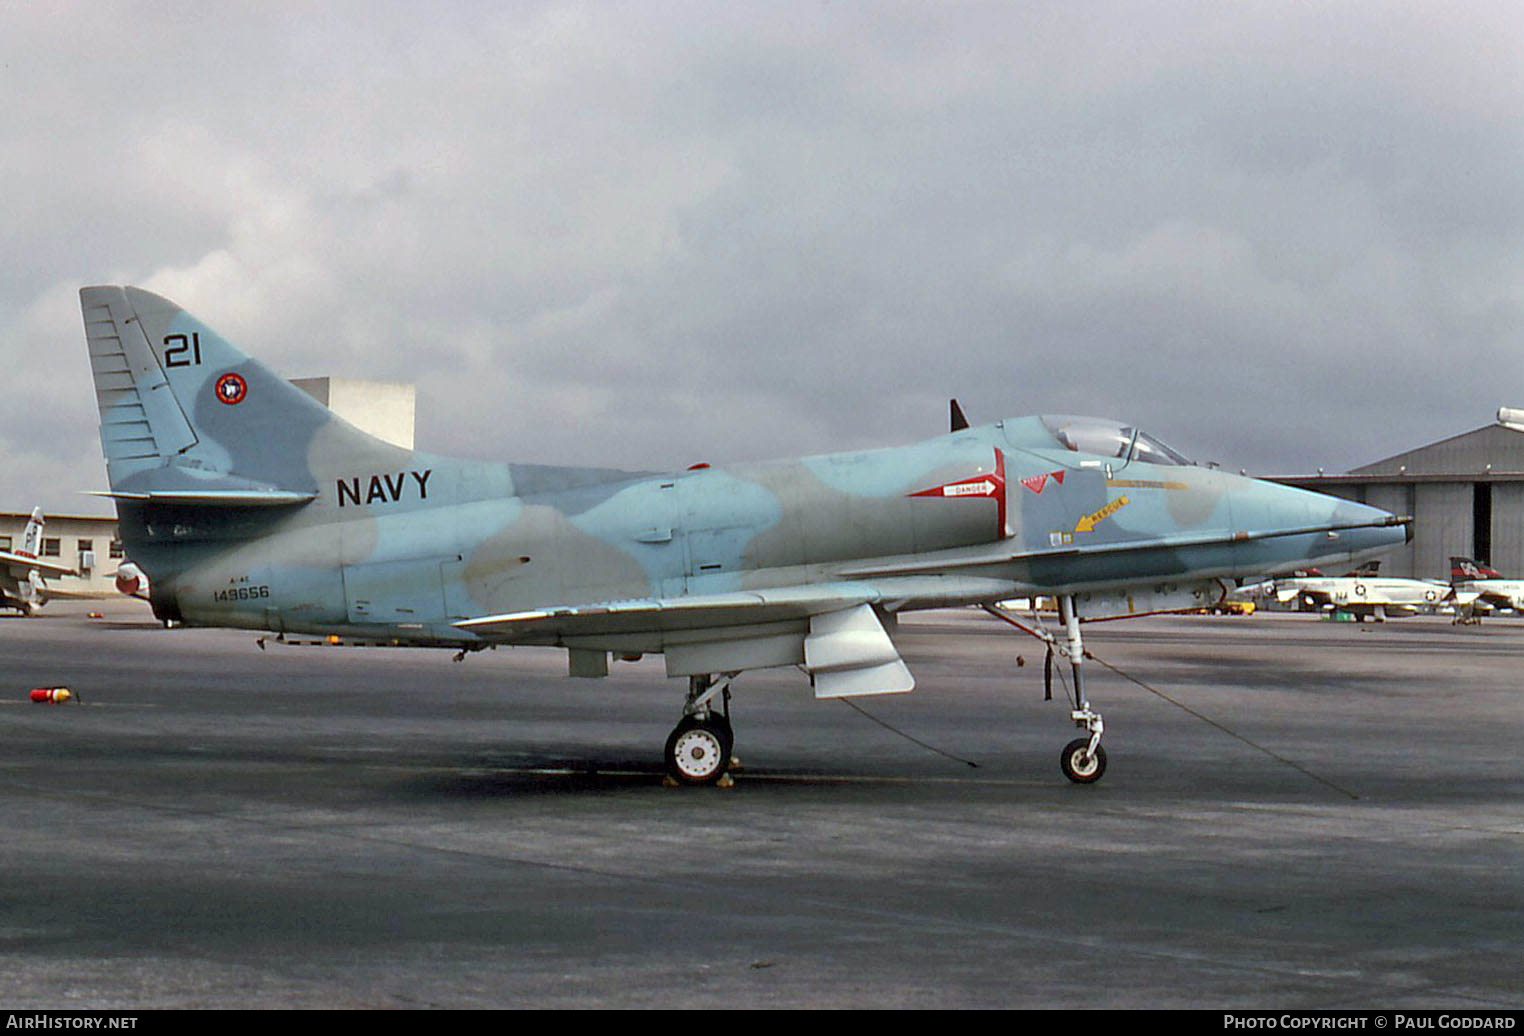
[1090,521]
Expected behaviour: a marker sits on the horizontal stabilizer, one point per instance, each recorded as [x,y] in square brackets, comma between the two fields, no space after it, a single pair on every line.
[215,497]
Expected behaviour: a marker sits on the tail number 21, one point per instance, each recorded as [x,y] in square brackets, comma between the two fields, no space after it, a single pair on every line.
[174,355]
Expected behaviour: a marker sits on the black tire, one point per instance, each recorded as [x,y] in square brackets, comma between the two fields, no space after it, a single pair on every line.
[698,752]
[1077,767]
[722,723]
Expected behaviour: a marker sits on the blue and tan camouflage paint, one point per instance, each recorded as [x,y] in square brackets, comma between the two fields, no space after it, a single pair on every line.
[354,536]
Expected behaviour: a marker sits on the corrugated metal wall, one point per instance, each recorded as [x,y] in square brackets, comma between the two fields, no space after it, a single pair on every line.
[1508,528]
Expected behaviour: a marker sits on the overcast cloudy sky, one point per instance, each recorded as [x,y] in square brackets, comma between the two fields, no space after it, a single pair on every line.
[1278,235]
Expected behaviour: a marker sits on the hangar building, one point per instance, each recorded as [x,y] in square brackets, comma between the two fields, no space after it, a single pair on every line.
[1465,493]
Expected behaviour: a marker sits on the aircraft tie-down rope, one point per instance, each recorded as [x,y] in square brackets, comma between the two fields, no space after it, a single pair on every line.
[913,740]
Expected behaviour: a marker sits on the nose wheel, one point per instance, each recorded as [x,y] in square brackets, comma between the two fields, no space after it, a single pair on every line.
[1082,764]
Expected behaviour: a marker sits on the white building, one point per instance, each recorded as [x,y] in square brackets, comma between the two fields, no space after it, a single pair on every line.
[87,542]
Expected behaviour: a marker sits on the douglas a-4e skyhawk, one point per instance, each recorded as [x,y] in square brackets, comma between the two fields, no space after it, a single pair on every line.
[248,504]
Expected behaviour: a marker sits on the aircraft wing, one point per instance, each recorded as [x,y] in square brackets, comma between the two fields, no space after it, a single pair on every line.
[831,630]
[738,608]
[20,564]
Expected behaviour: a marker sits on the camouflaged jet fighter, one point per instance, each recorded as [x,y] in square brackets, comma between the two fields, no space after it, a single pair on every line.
[248,504]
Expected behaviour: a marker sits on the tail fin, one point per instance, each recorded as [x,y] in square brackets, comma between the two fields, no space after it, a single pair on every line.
[31,539]
[1464,569]
[186,416]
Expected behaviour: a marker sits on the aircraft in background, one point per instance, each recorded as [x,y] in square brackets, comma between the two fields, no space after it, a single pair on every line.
[1364,593]
[23,574]
[1479,588]
[248,504]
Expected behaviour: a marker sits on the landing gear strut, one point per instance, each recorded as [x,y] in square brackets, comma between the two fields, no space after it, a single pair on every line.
[699,747]
[1083,760]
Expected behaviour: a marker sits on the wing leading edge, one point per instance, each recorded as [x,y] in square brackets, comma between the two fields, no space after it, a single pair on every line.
[739,608]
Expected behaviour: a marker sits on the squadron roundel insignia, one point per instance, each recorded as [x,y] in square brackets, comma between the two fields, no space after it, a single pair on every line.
[231,388]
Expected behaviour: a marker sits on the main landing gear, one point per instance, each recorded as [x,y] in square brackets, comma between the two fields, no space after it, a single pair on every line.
[1083,760]
[699,747]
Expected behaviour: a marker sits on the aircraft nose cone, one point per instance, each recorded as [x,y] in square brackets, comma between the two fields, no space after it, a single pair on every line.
[1312,528]
[1364,530]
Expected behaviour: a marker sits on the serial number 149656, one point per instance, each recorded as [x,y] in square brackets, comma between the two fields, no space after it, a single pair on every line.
[241,593]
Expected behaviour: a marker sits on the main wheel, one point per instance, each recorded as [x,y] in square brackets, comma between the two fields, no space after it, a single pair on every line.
[698,752]
[717,721]
[1078,765]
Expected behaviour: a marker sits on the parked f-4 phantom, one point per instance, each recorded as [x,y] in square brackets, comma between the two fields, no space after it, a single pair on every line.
[248,504]
[1480,588]
[1364,593]
[23,573]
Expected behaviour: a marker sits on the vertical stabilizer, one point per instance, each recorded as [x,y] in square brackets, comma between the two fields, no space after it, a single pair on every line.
[1467,569]
[183,410]
[31,539]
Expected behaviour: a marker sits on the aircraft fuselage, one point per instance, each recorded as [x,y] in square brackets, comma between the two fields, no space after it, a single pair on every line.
[413,550]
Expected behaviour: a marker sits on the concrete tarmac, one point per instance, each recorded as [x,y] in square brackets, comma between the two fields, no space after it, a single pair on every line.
[215,825]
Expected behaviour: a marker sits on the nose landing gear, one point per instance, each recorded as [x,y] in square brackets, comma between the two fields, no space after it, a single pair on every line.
[1083,760]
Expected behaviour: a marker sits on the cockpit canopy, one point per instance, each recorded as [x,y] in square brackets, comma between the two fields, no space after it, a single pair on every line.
[1106,438]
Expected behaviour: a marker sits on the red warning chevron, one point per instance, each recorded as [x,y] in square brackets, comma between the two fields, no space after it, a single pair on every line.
[979,487]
